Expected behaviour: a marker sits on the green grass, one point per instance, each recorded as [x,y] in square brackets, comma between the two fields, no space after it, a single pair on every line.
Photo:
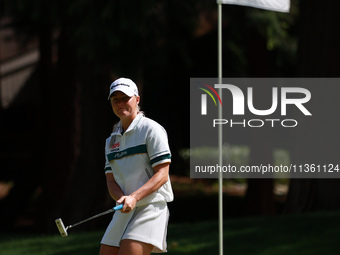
[312,234]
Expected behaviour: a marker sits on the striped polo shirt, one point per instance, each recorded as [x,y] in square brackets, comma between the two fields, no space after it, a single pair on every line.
[131,156]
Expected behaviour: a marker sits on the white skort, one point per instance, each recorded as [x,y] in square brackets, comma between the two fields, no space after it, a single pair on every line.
[146,223]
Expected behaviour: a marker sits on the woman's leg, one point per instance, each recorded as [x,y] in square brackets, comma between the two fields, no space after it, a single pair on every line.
[132,247]
[108,250]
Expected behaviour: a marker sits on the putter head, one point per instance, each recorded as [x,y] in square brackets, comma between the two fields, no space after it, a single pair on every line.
[61,227]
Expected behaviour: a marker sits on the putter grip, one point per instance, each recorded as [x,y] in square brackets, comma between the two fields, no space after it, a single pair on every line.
[118,207]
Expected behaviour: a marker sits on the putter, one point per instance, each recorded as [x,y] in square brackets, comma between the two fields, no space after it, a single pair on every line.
[63,230]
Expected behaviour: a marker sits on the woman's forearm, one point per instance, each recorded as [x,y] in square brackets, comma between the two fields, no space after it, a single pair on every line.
[113,188]
[156,181]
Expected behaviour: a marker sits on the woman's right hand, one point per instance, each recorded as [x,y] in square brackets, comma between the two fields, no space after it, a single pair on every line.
[129,203]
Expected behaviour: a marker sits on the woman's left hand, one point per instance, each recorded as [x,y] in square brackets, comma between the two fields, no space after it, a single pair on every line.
[129,203]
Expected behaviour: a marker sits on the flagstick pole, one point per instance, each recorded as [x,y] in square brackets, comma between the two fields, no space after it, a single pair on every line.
[220,143]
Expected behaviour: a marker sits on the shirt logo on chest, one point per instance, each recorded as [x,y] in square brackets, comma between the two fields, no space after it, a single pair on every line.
[115,146]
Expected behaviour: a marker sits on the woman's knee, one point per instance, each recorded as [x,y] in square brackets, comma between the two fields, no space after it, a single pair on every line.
[108,250]
[128,246]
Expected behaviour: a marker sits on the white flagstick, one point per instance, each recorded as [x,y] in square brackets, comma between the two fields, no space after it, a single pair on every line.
[220,143]
[274,5]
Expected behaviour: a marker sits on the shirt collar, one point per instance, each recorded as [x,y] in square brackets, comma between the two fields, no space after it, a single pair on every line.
[118,129]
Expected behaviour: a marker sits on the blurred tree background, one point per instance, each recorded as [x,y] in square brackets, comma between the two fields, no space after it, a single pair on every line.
[53,132]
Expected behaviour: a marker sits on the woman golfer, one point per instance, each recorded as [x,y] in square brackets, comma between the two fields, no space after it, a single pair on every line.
[137,174]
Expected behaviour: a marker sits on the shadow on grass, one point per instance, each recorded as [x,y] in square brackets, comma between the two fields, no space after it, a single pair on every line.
[312,233]
[309,233]
[75,243]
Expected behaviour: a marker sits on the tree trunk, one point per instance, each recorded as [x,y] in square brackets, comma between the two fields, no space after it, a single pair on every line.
[59,144]
[259,196]
[86,192]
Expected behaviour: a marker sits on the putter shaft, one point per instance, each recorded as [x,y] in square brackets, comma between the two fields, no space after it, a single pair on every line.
[63,230]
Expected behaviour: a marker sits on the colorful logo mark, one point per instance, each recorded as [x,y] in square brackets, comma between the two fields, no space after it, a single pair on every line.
[214,91]
[204,98]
